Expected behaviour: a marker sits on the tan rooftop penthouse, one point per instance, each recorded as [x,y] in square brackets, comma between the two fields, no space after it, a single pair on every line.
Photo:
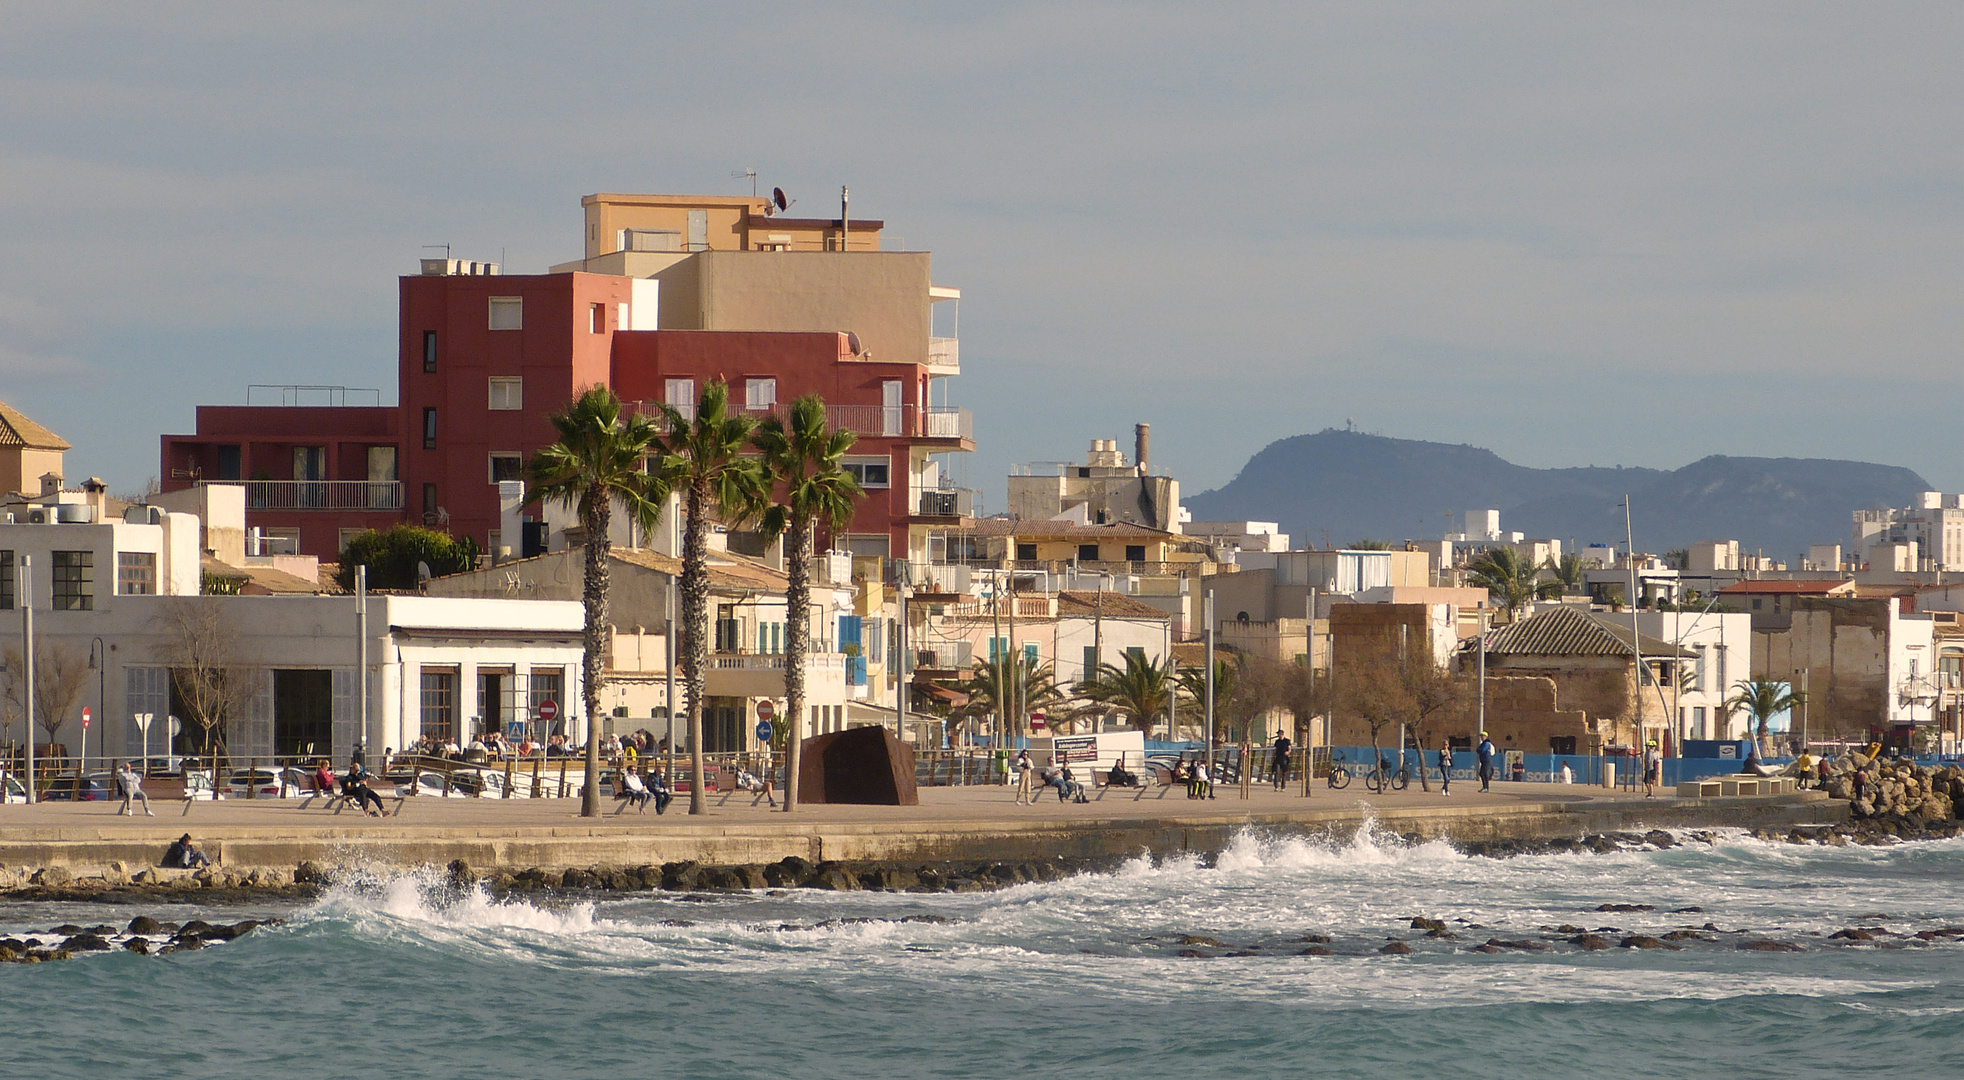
[689,223]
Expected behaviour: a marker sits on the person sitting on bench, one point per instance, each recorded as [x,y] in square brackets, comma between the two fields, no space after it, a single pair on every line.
[1070,790]
[658,791]
[1119,776]
[634,791]
[355,786]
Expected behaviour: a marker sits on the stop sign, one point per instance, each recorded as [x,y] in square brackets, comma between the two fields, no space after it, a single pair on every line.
[548,710]
[766,710]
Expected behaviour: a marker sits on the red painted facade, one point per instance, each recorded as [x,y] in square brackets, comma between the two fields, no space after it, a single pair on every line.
[568,337]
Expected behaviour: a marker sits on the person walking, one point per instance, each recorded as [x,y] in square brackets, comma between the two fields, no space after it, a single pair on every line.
[1025,771]
[1485,753]
[1279,761]
[1653,769]
[1445,768]
[131,786]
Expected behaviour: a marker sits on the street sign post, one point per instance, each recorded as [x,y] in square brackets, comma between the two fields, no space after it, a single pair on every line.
[763,731]
[548,712]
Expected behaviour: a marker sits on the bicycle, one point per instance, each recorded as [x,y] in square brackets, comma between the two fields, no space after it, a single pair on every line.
[1383,777]
[1339,775]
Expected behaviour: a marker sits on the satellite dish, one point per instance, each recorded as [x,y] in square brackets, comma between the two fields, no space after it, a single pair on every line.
[778,200]
[852,342]
[422,571]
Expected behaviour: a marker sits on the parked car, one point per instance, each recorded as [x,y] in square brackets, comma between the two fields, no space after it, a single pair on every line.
[11,790]
[93,788]
[257,783]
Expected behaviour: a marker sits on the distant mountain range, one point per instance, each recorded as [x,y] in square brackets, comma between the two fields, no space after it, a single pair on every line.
[1340,486]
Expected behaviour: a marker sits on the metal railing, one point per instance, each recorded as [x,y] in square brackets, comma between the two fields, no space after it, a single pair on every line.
[332,397]
[947,502]
[317,494]
[939,577]
[872,421]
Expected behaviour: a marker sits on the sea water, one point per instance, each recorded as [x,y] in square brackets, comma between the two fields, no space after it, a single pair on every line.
[400,976]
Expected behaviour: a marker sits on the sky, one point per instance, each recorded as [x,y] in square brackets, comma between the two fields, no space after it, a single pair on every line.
[1574,234]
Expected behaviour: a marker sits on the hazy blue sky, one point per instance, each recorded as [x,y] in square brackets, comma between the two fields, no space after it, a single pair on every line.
[1609,234]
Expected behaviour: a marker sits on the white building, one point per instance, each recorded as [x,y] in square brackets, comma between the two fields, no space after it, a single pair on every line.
[1934,525]
[1722,644]
[436,666]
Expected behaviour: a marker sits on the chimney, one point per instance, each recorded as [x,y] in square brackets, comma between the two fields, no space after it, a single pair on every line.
[1142,442]
[50,483]
[98,498]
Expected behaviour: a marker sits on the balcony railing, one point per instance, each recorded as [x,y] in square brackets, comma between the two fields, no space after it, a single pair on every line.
[944,352]
[947,502]
[380,495]
[938,577]
[955,657]
[878,421]
[772,661]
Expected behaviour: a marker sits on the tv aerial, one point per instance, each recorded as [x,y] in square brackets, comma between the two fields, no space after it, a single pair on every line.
[750,174]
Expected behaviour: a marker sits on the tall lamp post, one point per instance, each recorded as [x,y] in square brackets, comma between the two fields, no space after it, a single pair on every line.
[99,660]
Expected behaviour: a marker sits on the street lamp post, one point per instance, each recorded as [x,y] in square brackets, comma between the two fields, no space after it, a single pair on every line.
[99,660]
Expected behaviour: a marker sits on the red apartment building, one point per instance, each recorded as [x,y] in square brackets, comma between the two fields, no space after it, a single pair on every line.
[485,357]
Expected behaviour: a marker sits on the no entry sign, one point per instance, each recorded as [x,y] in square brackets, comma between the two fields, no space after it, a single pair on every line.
[548,710]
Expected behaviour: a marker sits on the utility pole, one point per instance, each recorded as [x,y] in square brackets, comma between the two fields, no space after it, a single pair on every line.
[27,654]
[1309,661]
[361,653]
[1208,606]
[668,637]
[1636,641]
[901,684]
[995,647]
[1013,661]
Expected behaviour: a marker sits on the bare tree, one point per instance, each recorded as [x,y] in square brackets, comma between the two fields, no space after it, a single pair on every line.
[213,686]
[61,673]
[1433,692]
[1376,695]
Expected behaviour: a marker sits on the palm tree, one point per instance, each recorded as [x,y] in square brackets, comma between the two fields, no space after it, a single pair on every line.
[1024,683]
[1510,578]
[1764,699]
[1566,571]
[703,459]
[599,460]
[806,457]
[1227,678]
[1140,689]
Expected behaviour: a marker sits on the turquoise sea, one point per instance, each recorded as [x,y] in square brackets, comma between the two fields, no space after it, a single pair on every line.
[398,977]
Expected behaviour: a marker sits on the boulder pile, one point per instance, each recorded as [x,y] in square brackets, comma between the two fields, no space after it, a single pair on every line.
[1888,787]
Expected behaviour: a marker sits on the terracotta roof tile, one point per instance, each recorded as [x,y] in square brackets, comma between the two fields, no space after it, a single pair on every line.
[1569,631]
[1084,604]
[17,430]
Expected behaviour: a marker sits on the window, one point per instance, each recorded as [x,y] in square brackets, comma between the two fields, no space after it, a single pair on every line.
[1561,744]
[1137,652]
[871,472]
[344,537]
[439,703]
[998,648]
[1090,661]
[229,466]
[547,685]
[429,500]
[1026,552]
[729,631]
[1087,553]
[507,394]
[507,313]
[136,573]
[1135,553]
[310,463]
[429,352]
[874,637]
[596,318]
[74,580]
[507,466]
[303,712]
[429,429]
[6,581]
[1030,653]
[759,394]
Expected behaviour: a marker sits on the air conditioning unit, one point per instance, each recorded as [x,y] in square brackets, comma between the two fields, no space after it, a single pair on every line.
[37,517]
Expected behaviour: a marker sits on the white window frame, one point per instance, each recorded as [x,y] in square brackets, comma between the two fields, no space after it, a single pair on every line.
[491,464]
[507,393]
[505,310]
[760,395]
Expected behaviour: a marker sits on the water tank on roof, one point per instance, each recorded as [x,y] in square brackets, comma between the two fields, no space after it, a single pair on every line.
[74,513]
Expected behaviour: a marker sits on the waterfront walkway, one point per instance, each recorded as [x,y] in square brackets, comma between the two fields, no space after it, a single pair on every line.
[949,824]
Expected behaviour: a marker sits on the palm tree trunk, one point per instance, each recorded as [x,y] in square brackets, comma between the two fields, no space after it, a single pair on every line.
[594,593]
[695,622]
[797,642]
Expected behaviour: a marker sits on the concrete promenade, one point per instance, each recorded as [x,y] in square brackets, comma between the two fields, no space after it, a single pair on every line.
[950,824]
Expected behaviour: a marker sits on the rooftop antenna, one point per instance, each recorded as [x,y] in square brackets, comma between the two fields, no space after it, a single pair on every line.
[433,247]
[739,174]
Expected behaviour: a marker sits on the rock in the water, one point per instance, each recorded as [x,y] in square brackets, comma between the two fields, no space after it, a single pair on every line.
[1764,945]
[84,943]
[52,876]
[1590,942]
[1642,941]
[1659,838]
[1396,948]
[1202,939]
[1319,950]
[144,924]
[1420,922]
[1852,934]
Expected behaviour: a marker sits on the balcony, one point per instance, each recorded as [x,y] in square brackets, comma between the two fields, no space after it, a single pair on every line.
[953,658]
[376,495]
[944,356]
[938,579]
[944,506]
[934,423]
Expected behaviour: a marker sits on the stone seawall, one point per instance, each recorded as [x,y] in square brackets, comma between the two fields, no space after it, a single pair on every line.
[91,851]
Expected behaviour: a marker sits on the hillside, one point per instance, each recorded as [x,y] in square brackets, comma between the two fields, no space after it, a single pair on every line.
[1337,486]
